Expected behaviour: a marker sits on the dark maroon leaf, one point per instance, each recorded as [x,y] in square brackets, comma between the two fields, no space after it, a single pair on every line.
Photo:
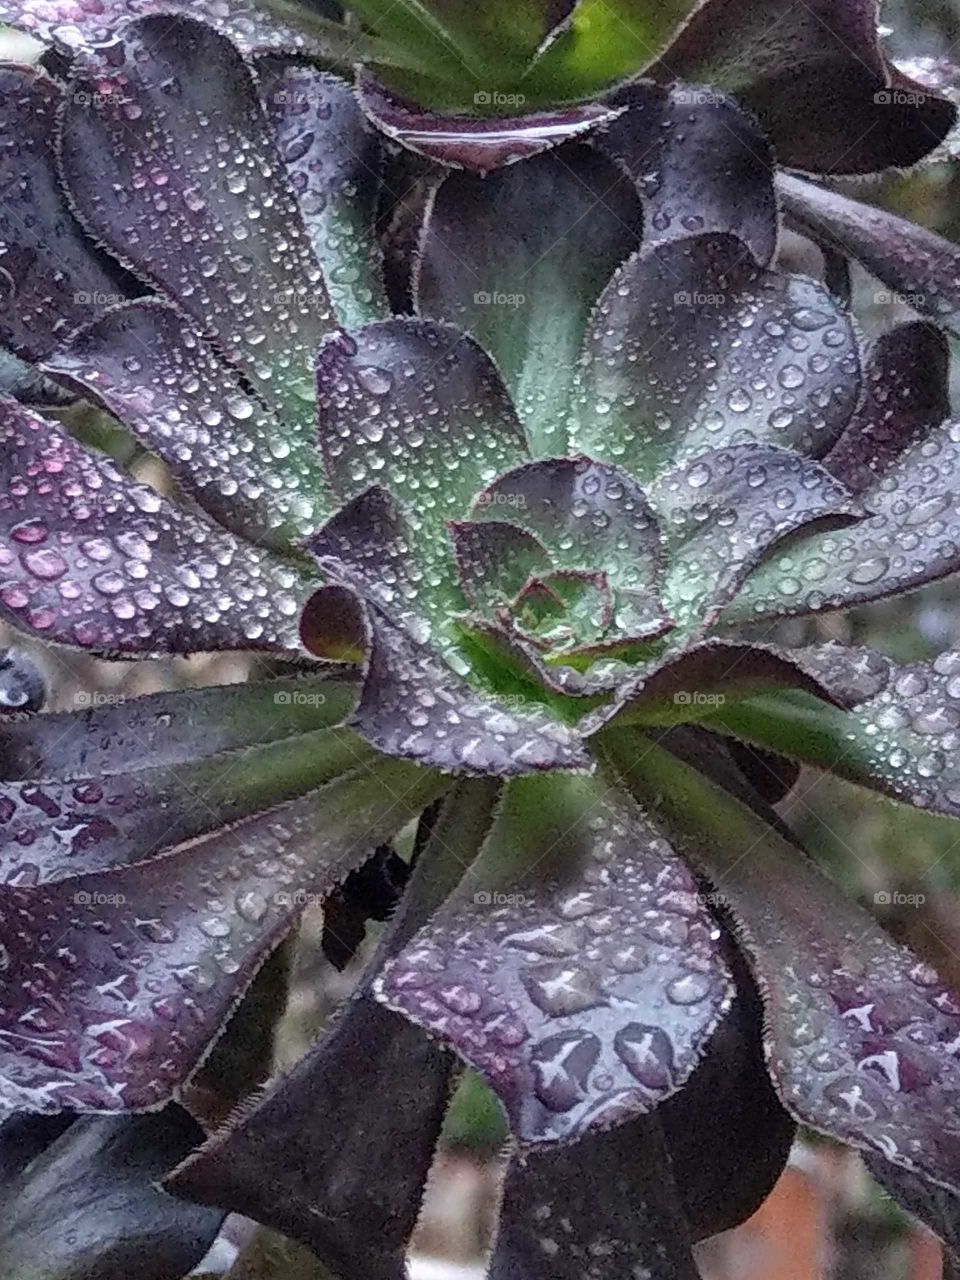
[606,1208]
[191,190]
[783,365]
[919,268]
[575,968]
[911,536]
[721,1182]
[907,394]
[901,736]
[88,1205]
[369,893]
[141,965]
[817,79]
[72,24]
[472,142]
[112,734]
[89,558]
[51,277]
[337,1152]
[495,559]
[590,516]
[158,376]
[507,258]
[862,1038]
[699,162]
[334,159]
[416,707]
[22,687]
[419,408]
[771,775]
[722,512]
[697,681]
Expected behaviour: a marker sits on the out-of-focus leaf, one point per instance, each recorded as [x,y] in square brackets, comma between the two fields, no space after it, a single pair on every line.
[90,558]
[575,967]
[337,1152]
[937,1207]
[782,369]
[720,513]
[152,370]
[607,1206]
[191,190]
[699,162]
[29,386]
[862,1038]
[334,159]
[88,1205]
[471,142]
[22,687]
[51,277]
[816,77]
[901,736]
[143,964]
[498,259]
[907,394]
[369,893]
[911,536]
[721,1182]
[919,268]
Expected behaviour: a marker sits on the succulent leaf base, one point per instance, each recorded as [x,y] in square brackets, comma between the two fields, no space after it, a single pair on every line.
[507,439]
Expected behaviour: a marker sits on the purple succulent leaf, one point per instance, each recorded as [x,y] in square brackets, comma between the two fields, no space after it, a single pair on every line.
[416,707]
[511,649]
[910,537]
[87,1202]
[214,224]
[149,367]
[722,1182]
[568,610]
[355,1200]
[721,513]
[335,161]
[907,385]
[584,987]
[699,162]
[169,729]
[861,1037]
[696,681]
[900,735]
[143,964]
[92,559]
[495,559]
[605,1209]
[472,142]
[53,829]
[53,278]
[497,260]
[816,78]
[419,408]
[919,267]
[784,367]
[73,25]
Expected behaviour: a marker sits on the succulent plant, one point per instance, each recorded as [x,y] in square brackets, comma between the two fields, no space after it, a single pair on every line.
[517,557]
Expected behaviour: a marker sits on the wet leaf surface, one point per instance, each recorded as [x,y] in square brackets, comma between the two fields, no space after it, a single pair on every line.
[117,982]
[211,220]
[92,559]
[575,968]
[817,79]
[53,277]
[159,377]
[699,162]
[782,366]
[498,261]
[334,159]
[907,393]
[87,1204]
